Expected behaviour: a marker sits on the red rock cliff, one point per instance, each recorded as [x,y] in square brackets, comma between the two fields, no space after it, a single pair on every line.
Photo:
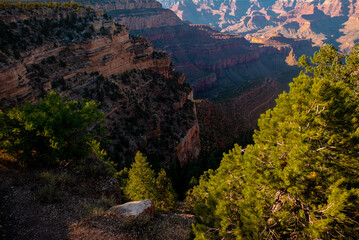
[110,67]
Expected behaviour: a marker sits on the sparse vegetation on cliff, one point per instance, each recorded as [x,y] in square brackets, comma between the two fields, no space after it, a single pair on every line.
[24,27]
[145,109]
[145,103]
[37,5]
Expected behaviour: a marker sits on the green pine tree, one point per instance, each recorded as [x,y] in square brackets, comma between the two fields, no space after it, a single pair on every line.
[166,196]
[141,182]
[300,178]
[55,129]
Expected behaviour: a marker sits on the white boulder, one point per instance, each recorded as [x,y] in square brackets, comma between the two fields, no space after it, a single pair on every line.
[135,209]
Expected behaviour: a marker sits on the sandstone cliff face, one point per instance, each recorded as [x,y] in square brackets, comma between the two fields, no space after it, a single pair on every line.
[210,59]
[146,104]
[111,54]
[188,148]
[138,14]
[322,21]
[226,119]
[214,61]
[217,64]
[13,82]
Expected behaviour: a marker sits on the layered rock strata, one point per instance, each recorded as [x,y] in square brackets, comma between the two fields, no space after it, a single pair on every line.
[322,21]
[225,120]
[208,58]
[215,63]
[139,92]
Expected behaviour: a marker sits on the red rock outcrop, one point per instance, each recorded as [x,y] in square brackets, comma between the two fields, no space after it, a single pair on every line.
[117,53]
[112,54]
[189,147]
[139,14]
[216,64]
[133,82]
[13,82]
[228,119]
[207,57]
[296,19]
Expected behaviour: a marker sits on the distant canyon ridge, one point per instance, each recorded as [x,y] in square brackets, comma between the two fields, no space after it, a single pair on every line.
[322,21]
[212,61]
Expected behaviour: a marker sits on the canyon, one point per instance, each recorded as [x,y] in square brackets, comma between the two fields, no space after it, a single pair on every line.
[226,69]
[146,104]
[207,57]
[183,94]
[321,21]
[220,67]
[214,63]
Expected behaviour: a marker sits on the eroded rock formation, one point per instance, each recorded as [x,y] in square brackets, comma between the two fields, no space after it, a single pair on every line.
[224,120]
[146,104]
[212,61]
[322,21]
[216,63]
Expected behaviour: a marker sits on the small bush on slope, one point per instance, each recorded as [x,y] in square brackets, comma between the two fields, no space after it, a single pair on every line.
[52,132]
[300,178]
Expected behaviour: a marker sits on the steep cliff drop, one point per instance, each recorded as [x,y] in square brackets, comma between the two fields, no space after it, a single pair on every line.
[82,53]
[224,68]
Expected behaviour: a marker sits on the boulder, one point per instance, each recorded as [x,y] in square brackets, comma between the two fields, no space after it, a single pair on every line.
[135,209]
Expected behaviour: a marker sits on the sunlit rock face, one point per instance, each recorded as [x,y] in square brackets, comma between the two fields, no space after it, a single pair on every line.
[83,54]
[322,21]
[220,66]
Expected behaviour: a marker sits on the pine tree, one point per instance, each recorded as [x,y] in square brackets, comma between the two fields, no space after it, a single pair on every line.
[300,178]
[53,129]
[141,182]
[166,196]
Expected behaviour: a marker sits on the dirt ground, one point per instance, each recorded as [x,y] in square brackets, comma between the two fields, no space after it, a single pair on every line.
[76,214]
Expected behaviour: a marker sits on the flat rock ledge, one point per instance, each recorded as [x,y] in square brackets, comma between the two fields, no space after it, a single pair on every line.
[135,209]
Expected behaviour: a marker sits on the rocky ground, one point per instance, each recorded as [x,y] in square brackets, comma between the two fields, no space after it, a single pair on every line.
[111,226]
[32,206]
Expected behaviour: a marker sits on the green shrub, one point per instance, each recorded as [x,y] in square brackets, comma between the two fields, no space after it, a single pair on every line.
[141,180]
[52,186]
[51,132]
[166,196]
[142,184]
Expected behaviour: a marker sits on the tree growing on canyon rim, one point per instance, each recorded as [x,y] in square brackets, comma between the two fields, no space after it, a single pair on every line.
[53,131]
[142,184]
[300,178]
[166,196]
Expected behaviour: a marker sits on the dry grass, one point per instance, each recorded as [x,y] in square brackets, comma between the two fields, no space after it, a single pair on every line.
[113,226]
